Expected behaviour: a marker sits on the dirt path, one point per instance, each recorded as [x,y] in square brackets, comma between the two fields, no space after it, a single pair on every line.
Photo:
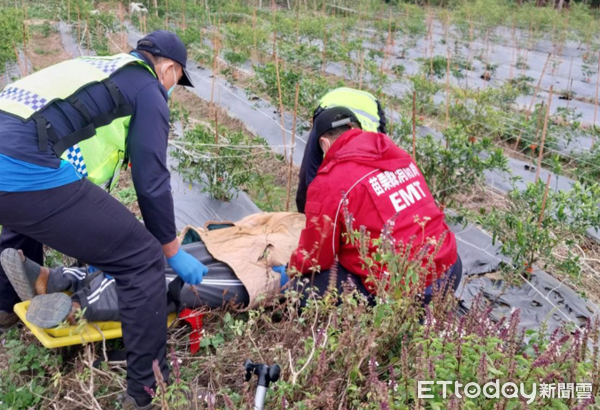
[44,51]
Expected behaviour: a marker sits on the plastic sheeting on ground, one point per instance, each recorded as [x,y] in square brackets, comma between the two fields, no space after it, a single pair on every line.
[542,298]
[70,43]
[13,71]
[521,173]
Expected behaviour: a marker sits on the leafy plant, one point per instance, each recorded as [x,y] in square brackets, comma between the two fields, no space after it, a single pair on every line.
[219,163]
[398,70]
[25,360]
[534,224]
[439,65]
[522,84]
[176,393]
[425,91]
[522,64]
[11,33]
[311,88]
[100,25]
[452,165]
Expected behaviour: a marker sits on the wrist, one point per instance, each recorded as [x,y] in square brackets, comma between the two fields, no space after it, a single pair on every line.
[171,249]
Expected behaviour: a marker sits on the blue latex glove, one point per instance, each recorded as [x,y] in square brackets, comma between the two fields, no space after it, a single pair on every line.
[91,269]
[188,268]
[281,271]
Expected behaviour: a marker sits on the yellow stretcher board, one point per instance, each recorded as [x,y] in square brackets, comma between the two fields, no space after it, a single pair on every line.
[67,336]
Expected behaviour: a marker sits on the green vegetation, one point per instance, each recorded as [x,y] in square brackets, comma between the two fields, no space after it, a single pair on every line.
[354,355]
[455,165]
[536,223]
[11,34]
[30,371]
[219,159]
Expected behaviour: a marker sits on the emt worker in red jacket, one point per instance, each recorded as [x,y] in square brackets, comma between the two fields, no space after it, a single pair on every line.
[377,181]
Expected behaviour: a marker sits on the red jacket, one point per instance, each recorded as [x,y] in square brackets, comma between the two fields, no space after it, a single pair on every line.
[381,180]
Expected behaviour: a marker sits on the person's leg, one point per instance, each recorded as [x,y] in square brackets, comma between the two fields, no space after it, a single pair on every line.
[29,279]
[84,222]
[450,280]
[382,120]
[318,284]
[100,300]
[33,249]
[61,279]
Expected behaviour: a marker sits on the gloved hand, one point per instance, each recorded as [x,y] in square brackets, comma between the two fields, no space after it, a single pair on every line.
[281,271]
[188,268]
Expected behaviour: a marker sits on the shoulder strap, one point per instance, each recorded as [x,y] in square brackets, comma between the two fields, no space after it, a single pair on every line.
[121,109]
[45,132]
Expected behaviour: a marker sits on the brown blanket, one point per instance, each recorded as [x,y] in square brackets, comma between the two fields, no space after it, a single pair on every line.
[252,246]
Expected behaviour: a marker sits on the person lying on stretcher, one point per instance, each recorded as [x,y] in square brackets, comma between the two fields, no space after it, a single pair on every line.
[94,292]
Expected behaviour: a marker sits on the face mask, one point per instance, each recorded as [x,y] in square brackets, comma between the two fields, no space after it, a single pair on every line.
[170,91]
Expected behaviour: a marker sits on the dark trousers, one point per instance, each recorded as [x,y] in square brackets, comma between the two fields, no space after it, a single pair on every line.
[313,158]
[320,281]
[319,284]
[451,279]
[83,221]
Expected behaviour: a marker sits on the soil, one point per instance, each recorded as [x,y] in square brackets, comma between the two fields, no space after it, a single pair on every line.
[116,44]
[201,111]
[45,51]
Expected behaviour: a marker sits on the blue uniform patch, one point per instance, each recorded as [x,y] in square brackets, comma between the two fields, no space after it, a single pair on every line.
[75,157]
[107,66]
[28,98]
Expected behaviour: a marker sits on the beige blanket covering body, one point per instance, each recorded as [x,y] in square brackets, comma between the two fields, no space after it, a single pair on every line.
[252,246]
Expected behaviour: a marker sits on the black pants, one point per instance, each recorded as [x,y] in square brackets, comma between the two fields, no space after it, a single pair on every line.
[320,281]
[83,221]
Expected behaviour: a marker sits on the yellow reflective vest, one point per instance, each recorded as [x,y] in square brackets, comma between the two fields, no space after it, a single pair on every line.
[97,150]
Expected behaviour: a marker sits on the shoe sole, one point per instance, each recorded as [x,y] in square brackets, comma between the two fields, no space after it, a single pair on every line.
[48,311]
[15,271]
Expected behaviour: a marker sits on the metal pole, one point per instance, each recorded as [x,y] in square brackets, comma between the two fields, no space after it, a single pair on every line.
[259,399]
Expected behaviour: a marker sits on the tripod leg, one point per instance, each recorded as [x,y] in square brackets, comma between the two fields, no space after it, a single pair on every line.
[259,399]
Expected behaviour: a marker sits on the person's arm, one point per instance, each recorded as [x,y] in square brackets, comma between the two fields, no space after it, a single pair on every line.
[311,161]
[315,246]
[170,249]
[147,149]
[382,120]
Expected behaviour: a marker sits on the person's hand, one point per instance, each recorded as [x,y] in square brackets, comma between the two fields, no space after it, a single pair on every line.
[281,271]
[188,268]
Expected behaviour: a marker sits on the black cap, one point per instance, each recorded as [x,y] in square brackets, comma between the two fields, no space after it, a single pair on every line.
[167,44]
[332,118]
